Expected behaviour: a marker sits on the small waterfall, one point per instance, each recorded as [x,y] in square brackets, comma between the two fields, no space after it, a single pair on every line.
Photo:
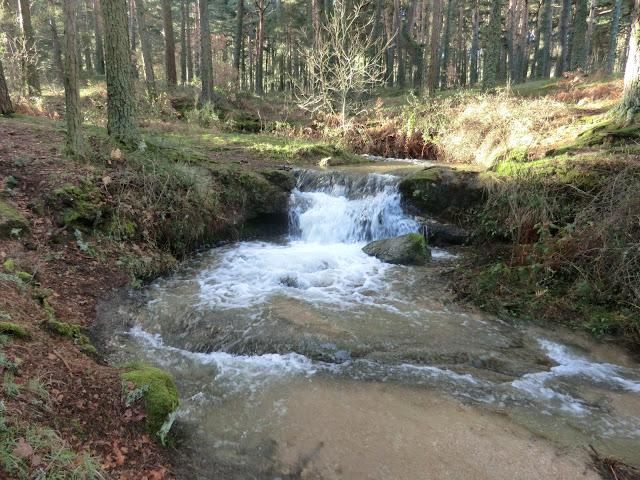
[336,207]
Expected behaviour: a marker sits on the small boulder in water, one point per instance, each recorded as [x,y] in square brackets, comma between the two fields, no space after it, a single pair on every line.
[408,249]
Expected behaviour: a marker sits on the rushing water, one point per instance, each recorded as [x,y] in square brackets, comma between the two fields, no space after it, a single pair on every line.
[306,358]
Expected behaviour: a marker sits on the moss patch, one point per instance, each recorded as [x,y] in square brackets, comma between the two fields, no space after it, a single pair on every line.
[158,391]
[79,207]
[75,332]
[13,329]
[12,222]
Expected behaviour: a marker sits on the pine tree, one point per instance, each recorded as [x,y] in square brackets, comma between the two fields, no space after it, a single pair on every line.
[492,47]
[120,94]
[613,36]
[145,43]
[630,104]
[31,69]
[6,108]
[543,64]
[73,116]
[475,43]
[434,58]
[563,38]
[206,65]
[169,45]
[97,29]
[578,34]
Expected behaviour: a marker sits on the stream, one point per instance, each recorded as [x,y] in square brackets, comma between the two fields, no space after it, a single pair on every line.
[302,357]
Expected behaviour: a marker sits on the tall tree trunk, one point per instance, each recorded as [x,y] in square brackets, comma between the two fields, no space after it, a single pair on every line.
[391,41]
[206,65]
[591,23]
[630,104]
[578,34]
[133,35]
[259,87]
[512,25]
[563,38]
[183,42]
[73,116]
[97,28]
[57,49]
[31,67]
[145,43]
[169,45]
[120,94]
[446,44]
[434,58]
[536,42]
[493,47]
[475,43]
[6,108]
[237,43]
[544,59]
[190,67]
[86,37]
[399,31]
[461,54]
[613,37]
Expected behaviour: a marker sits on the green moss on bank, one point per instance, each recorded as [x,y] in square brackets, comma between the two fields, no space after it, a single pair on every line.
[12,222]
[13,329]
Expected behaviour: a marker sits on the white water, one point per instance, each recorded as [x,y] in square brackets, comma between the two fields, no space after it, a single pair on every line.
[323,260]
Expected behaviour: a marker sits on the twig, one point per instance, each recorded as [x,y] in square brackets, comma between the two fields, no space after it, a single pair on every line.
[63,361]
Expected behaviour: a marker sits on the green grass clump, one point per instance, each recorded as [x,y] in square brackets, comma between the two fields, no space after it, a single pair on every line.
[13,329]
[75,332]
[158,390]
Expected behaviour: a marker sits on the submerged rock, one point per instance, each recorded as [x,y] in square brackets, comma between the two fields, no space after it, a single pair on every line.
[408,249]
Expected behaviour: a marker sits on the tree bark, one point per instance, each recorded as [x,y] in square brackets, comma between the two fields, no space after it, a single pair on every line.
[31,68]
[578,36]
[544,59]
[563,38]
[237,43]
[145,43]
[591,23]
[86,37]
[169,45]
[57,49]
[206,65]
[183,42]
[475,43]
[73,116]
[259,87]
[613,37]
[434,58]
[493,47]
[120,94]
[6,108]
[630,104]
[133,37]
[98,28]
[446,44]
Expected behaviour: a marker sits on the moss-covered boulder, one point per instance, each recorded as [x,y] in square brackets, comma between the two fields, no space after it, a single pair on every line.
[79,207]
[12,222]
[443,191]
[408,249]
[158,391]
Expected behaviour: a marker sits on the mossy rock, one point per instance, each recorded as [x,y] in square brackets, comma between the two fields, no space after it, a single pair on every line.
[159,393]
[408,249]
[442,191]
[13,329]
[79,207]
[12,222]
[280,178]
[74,332]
